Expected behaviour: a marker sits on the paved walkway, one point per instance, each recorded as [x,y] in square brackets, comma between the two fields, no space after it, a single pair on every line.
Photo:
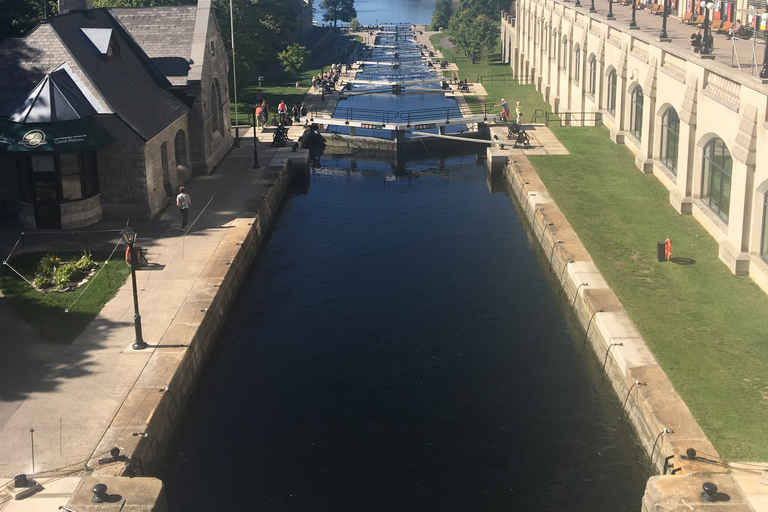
[70,394]
[735,53]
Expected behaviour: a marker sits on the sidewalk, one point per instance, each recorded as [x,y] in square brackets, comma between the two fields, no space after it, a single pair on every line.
[70,395]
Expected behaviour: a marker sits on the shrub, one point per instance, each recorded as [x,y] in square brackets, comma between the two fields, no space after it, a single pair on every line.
[85,263]
[63,274]
[47,265]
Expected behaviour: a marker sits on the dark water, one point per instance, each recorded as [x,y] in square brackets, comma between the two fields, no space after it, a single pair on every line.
[373,12]
[399,346]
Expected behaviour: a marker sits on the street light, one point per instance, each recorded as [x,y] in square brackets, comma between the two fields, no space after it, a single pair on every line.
[592,7]
[633,23]
[663,35]
[255,139]
[129,237]
[764,69]
[706,48]
[610,10]
[234,73]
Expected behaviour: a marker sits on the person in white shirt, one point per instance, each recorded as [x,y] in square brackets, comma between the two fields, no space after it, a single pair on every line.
[183,202]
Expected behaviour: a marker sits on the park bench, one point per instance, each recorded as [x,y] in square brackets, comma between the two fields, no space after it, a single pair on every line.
[658,9]
[716,24]
[687,17]
[725,27]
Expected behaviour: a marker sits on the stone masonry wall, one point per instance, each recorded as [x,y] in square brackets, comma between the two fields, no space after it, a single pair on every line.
[157,195]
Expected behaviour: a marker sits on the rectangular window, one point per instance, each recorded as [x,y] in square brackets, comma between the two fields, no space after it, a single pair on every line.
[69,170]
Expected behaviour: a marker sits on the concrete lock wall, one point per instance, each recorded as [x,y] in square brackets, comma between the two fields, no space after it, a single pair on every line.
[647,395]
[153,407]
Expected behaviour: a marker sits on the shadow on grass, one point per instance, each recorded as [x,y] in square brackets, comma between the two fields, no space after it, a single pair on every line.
[682,261]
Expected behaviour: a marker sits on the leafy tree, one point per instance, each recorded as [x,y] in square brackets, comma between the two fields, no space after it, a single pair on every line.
[354,25]
[338,10]
[17,17]
[474,35]
[294,59]
[490,8]
[442,14]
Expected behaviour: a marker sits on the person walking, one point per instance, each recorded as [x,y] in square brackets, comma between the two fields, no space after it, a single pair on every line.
[183,202]
[282,111]
[696,41]
[519,112]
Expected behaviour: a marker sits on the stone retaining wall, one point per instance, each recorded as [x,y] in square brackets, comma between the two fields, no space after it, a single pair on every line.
[649,399]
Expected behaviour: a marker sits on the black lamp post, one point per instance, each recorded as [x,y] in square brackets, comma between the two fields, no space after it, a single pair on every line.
[129,237]
[255,139]
[706,48]
[577,4]
[764,69]
[663,35]
[610,10]
[592,7]
[633,23]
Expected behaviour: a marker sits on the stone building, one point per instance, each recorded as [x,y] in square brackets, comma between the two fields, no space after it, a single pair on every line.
[698,125]
[302,9]
[105,112]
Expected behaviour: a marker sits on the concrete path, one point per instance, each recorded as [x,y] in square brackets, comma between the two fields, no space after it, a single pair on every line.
[70,395]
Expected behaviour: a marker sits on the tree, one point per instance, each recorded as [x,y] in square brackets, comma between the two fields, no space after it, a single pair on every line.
[338,10]
[294,59]
[474,35]
[354,25]
[17,17]
[442,15]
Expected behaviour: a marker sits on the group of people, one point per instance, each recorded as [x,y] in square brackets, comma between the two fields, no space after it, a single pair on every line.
[697,39]
[298,111]
[328,79]
[505,111]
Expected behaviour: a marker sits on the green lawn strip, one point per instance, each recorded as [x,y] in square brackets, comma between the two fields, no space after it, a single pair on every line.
[498,80]
[705,326]
[45,312]
[282,87]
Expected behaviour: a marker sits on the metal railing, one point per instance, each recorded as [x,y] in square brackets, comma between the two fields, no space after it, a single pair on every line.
[390,116]
[568,118]
[523,80]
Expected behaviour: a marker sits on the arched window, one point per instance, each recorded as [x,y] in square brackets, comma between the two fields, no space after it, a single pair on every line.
[576,63]
[636,114]
[592,75]
[180,148]
[716,177]
[670,139]
[215,107]
[565,53]
[612,84]
[553,45]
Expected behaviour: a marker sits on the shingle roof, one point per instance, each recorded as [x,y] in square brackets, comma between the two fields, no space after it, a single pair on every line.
[165,34]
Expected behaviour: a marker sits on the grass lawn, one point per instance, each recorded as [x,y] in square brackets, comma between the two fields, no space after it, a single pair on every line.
[705,326]
[45,312]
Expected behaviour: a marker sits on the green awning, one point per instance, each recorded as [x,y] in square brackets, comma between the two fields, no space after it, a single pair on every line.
[53,138]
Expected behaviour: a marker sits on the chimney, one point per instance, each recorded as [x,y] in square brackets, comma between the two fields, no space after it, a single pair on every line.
[66,6]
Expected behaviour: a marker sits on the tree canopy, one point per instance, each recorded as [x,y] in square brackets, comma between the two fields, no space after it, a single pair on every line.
[17,17]
[442,14]
[338,10]
[476,36]
[294,59]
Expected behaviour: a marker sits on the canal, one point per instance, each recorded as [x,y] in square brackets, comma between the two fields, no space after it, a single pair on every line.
[401,345]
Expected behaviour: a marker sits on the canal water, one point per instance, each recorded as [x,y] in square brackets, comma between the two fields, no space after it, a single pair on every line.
[374,12]
[401,345]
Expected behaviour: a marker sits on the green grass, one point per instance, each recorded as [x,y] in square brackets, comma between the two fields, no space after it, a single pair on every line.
[45,312]
[705,326]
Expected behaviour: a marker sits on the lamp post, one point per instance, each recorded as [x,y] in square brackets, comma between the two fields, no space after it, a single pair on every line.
[663,35]
[610,10]
[129,237]
[633,23]
[592,7]
[234,73]
[706,48]
[577,4]
[764,69]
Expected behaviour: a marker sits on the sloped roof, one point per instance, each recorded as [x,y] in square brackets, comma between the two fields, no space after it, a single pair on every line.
[131,85]
[165,34]
[59,96]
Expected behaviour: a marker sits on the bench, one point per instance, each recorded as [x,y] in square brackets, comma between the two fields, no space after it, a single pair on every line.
[658,9]
[716,24]
[725,27]
[688,18]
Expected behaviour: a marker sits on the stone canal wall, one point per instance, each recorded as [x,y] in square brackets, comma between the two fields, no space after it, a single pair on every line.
[665,426]
[145,423]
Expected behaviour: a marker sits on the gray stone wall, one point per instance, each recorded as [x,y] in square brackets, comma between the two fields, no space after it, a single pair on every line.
[206,147]
[122,175]
[157,194]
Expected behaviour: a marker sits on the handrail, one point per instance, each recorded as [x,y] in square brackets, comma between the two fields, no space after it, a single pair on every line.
[536,113]
[523,80]
[566,118]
